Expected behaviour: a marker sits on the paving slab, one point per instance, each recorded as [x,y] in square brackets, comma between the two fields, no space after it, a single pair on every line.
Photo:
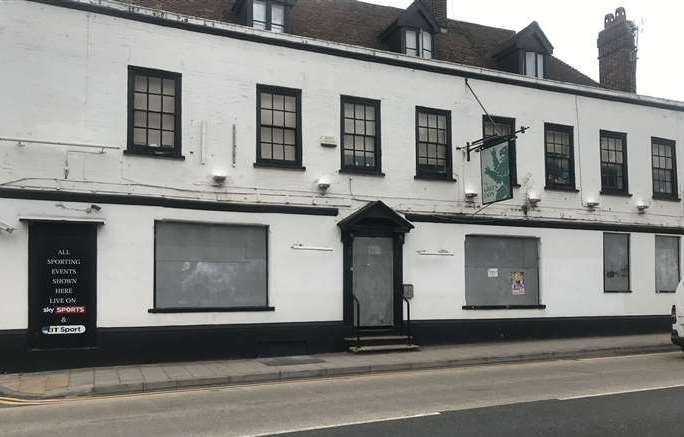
[154,377]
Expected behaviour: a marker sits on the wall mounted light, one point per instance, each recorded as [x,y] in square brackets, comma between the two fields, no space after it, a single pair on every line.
[642,206]
[323,183]
[7,228]
[533,199]
[219,177]
[470,196]
[591,204]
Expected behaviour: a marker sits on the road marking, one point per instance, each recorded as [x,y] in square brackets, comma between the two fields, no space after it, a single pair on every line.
[337,425]
[621,392]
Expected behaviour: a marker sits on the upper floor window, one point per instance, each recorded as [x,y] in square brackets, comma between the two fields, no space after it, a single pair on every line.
[534,64]
[559,156]
[360,135]
[154,109]
[664,168]
[433,143]
[279,119]
[493,127]
[418,42]
[613,163]
[268,15]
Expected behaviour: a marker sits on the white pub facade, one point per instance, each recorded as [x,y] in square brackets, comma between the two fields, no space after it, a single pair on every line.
[174,187]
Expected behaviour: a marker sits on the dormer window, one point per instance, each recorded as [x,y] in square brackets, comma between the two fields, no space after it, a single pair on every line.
[418,42]
[534,65]
[268,15]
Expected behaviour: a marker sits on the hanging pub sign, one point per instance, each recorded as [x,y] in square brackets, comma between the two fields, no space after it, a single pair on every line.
[497,184]
[62,285]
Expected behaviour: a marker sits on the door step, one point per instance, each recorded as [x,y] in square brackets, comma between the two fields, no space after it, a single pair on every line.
[379,340]
[369,349]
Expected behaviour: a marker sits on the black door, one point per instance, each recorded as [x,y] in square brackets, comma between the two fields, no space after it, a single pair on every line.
[62,285]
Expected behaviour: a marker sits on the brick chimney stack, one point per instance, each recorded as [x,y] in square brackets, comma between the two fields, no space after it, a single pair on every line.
[439,10]
[618,52]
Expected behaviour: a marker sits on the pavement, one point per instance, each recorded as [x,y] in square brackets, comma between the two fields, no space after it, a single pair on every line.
[71,383]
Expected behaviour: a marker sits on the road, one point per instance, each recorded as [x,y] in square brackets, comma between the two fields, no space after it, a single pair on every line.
[634,395]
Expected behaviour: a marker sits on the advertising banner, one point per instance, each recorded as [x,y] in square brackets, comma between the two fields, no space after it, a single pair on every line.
[62,284]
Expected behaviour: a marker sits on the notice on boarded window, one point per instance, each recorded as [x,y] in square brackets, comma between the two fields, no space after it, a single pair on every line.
[518,284]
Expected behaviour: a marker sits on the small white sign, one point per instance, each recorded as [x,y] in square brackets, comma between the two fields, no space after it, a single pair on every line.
[493,273]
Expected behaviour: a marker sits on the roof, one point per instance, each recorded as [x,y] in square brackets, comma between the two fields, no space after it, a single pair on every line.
[359,23]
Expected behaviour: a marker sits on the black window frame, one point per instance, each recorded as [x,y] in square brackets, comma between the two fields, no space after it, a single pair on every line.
[137,149]
[629,262]
[377,169]
[268,23]
[426,171]
[420,50]
[570,130]
[513,163]
[679,261]
[279,163]
[675,182]
[625,168]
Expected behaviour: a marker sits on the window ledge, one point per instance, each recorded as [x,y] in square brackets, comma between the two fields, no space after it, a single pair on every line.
[436,177]
[618,291]
[503,307]
[615,193]
[561,188]
[666,292]
[144,154]
[362,172]
[278,165]
[210,310]
[666,198]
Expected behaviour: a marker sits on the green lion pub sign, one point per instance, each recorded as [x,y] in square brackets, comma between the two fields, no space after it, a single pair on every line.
[495,173]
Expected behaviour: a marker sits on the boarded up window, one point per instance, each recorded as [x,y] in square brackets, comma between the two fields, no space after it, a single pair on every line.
[210,266]
[666,263]
[501,271]
[616,262]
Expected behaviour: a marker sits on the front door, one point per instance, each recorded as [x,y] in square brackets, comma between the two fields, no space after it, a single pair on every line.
[62,285]
[373,280]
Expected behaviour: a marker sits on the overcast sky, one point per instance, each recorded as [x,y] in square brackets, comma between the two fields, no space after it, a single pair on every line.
[572,28]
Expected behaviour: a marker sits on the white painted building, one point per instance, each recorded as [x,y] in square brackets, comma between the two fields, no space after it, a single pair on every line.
[201,248]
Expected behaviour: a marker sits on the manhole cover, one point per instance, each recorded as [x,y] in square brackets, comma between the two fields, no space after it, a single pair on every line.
[290,361]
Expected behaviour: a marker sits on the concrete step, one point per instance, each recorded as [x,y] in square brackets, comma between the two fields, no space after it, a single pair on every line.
[371,338]
[370,349]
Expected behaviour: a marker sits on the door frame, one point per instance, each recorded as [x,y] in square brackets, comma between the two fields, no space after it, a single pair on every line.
[373,220]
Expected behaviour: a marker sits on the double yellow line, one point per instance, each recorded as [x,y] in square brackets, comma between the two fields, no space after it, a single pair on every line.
[17,402]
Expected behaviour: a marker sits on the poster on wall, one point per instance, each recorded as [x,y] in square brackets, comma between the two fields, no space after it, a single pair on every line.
[62,285]
[495,173]
[518,284]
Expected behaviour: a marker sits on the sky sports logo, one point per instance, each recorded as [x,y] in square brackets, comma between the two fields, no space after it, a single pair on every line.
[65,310]
[63,330]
